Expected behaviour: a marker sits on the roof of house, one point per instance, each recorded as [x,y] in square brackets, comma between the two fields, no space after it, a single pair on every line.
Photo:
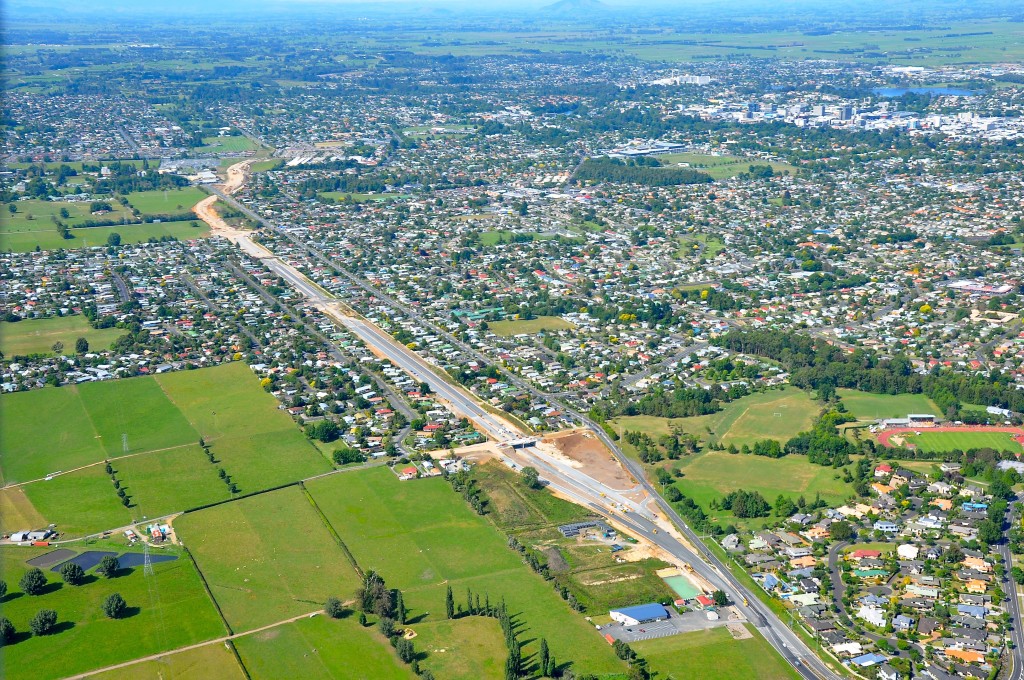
[643,612]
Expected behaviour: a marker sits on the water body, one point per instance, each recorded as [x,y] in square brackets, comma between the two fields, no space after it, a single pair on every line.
[934,91]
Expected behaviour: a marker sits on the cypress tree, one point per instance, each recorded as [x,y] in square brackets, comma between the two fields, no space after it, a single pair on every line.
[449,603]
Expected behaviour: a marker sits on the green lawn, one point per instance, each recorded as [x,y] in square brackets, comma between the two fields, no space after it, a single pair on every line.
[164,482]
[256,443]
[531,326]
[37,336]
[169,610]
[714,655]
[493,238]
[740,422]
[470,648]
[136,407]
[383,522]
[28,451]
[691,245]
[210,661]
[169,202]
[267,557]
[341,196]
[713,474]
[871,406]
[49,239]
[35,215]
[228,144]
[79,503]
[947,441]
[723,166]
[321,647]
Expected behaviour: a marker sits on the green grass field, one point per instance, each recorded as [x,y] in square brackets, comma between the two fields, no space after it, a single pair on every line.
[931,442]
[743,421]
[382,521]
[164,416]
[514,507]
[516,327]
[723,166]
[166,202]
[49,239]
[359,198]
[169,610]
[210,661]
[472,647]
[714,655]
[80,503]
[34,215]
[267,558]
[493,238]
[321,648]
[713,474]
[871,406]
[228,144]
[692,245]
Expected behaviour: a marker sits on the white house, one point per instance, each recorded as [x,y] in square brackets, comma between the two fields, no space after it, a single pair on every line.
[872,614]
[907,551]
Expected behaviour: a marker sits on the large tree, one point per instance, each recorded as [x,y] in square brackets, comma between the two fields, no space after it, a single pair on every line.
[114,607]
[33,582]
[72,573]
[43,622]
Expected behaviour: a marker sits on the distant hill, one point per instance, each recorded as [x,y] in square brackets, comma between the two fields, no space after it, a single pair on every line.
[576,8]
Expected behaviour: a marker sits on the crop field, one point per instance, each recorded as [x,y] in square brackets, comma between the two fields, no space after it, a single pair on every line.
[722,166]
[267,558]
[714,655]
[321,647]
[775,414]
[170,202]
[381,521]
[163,470]
[209,661]
[167,610]
[50,239]
[37,336]
[871,406]
[518,326]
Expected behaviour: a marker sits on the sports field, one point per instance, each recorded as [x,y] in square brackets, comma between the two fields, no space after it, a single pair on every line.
[871,406]
[359,198]
[227,144]
[714,655]
[382,521]
[947,439]
[49,239]
[542,323]
[321,647]
[167,610]
[166,202]
[722,166]
[159,463]
[37,336]
[775,414]
[267,558]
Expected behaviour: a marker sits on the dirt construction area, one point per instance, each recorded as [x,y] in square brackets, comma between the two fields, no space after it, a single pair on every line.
[585,451]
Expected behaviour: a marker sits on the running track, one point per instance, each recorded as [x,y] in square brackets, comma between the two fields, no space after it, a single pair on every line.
[885,435]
